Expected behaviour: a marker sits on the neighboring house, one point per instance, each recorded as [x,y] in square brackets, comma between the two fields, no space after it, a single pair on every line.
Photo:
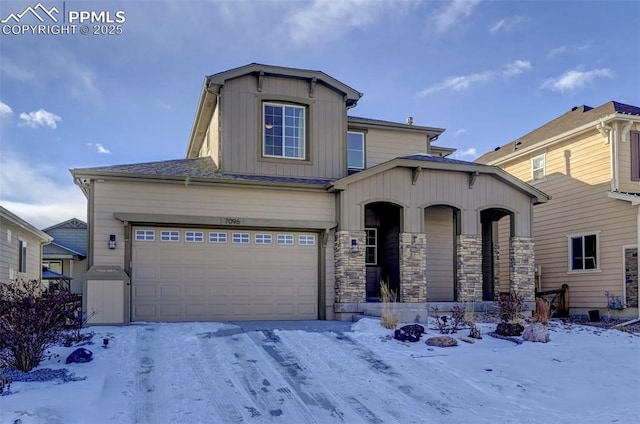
[588,160]
[67,253]
[285,207]
[20,248]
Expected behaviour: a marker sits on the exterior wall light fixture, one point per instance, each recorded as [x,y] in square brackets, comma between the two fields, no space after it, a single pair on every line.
[112,241]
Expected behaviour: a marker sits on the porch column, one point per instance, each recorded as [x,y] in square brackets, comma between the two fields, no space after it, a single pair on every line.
[413,267]
[350,269]
[522,267]
[469,268]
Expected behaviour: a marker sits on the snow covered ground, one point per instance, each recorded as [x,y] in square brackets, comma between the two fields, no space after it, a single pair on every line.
[216,373]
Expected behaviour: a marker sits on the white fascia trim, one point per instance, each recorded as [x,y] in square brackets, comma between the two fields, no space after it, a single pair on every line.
[635,200]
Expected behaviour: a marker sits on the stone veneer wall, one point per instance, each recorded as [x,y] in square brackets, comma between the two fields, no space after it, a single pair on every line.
[522,271]
[496,271]
[413,267]
[469,268]
[631,276]
[350,268]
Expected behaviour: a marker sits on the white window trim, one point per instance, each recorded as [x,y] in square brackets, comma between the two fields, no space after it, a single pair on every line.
[310,240]
[170,235]
[304,134]
[219,235]
[544,168]
[364,162]
[285,239]
[241,238]
[145,234]
[196,236]
[263,238]
[569,253]
[375,246]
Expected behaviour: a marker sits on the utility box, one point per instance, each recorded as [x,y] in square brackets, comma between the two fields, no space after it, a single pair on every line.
[106,295]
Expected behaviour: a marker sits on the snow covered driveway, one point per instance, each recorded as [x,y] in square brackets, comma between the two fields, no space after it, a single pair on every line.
[219,373]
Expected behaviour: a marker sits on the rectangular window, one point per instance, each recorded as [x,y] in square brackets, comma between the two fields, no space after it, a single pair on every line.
[583,252]
[284,131]
[55,266]
[22,256]
[286,239]
[538,171]
[306,240]
[194,236]
[263,238]
[371,246]
[635,156]
[240,238]
[215,237]
[170,236]
[145,235]
[355,150]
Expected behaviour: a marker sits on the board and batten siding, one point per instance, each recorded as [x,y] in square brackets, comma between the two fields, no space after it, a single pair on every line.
[434,187]
[241,146]
[578,177]
[624,165]
[384,145]
[438,225]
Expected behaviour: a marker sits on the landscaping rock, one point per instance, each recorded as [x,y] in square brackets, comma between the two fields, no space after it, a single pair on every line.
[475,333]
[409,333]
[442,341]
[80,355]
[536,333]
[509,329]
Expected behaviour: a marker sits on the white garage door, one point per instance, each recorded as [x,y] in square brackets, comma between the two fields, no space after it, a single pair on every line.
[223,275]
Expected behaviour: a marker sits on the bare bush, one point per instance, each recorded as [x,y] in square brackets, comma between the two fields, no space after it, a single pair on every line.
[449,324]
[389,316]
[543,311]
[510,306]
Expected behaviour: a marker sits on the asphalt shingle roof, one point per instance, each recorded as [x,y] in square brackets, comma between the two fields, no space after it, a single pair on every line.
[575,118]
[430,158]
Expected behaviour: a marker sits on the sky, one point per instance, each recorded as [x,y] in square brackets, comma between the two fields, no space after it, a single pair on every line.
[213,372]
[486,71]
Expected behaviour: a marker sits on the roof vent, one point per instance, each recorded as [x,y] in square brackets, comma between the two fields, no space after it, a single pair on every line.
[409,120]
[574,108]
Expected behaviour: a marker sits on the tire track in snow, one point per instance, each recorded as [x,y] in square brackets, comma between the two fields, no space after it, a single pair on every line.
[150,397]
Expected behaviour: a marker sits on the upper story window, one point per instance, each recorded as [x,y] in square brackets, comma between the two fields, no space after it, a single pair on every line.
[635,156]
[583,252]
[355,150]
[538,168]
[284,131]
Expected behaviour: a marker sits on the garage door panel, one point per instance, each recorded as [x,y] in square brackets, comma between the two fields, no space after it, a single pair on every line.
[177,281]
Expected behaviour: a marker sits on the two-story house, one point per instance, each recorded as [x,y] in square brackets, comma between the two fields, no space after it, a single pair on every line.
[588,160]
[67,253]
[285,207]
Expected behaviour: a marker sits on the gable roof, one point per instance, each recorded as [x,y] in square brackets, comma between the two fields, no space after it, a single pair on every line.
[19,222]
[70,223]
[427,161]
[577,117]
[53,249]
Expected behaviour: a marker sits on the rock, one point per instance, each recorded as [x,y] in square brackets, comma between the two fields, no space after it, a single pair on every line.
[409,333]
[475,333]
[536,333]
[509,329]
[467,340]
[441,341]
[80,356]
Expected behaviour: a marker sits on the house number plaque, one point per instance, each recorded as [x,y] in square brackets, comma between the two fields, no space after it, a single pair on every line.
[232,221]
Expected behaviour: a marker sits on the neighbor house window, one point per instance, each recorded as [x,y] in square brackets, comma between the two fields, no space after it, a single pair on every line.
[286,239]
[145,235]
[22,256]
[170,236]
[306,240]
[355,150]
[583,252]
[193,236]
[263,238]
[55,266]
[284,131]
[371,246]
[240,238]
[215,237]
[538,171]
[635,156]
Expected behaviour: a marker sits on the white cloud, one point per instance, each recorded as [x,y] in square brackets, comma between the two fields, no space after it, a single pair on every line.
[39,118]
[463,82]
[575,79]
[453,13]
[5,110]
[468,154]
[516,67]
[34,194]
[100,148]
[11,70]
[565,49]
[460,132]
[508,23]
[326,20]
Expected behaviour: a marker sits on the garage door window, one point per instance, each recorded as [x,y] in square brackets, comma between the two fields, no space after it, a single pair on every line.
[170,236]
[263,238]
[306,240]
[193,236]
[215,237]
[285,239]
[240,238]
[145,235]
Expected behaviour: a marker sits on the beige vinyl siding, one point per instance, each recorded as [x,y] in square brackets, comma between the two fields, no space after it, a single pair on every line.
[9,253]
[241,150]
[624,165]
[438,226]
[434,187]
[384,145]
[578,179]
[197,200]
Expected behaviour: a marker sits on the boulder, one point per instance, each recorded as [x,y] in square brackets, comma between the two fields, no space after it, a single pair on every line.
[536,333]
[80,356]
[441,341]
[510,329]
